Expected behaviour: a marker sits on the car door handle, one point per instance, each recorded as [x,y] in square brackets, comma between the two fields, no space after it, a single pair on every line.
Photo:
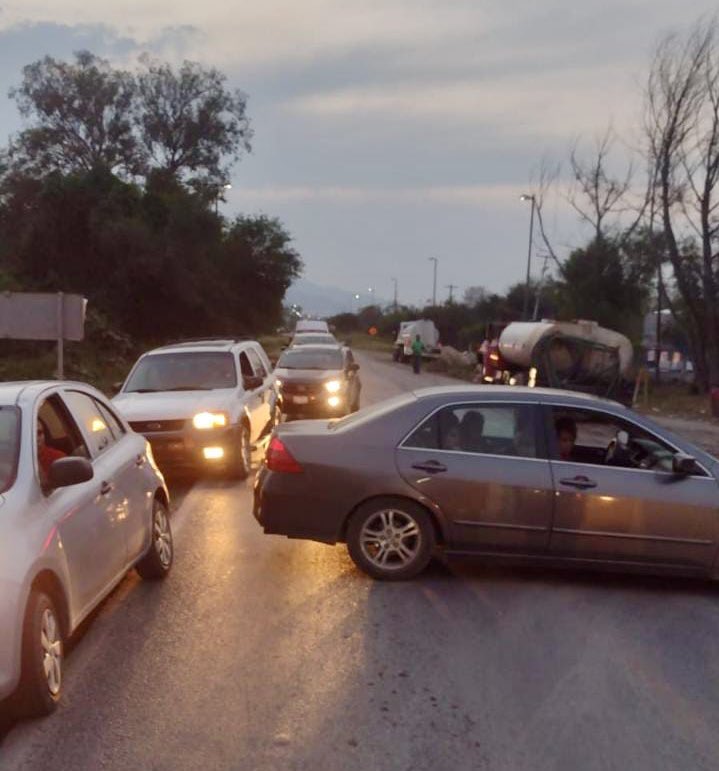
[140,461]
[106,488]
[431,467]
[581,483]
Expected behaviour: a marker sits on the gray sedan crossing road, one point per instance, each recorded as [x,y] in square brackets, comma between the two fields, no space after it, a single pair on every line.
[261,652]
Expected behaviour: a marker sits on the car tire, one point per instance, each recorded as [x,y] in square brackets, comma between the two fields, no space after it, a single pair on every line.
[391,539]
[42,657]
[242,461]
[156,564]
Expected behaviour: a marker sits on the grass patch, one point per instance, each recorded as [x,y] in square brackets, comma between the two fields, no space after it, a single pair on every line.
[675,400]
[364,342]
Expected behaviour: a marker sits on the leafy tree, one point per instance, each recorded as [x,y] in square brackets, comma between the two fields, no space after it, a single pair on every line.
[189,122]
[79,116]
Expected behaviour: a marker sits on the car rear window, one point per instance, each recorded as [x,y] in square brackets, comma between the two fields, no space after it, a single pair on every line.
[190,371]
[302,358]
[9,445]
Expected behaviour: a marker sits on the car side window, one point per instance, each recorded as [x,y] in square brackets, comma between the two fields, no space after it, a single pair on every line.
[489,429]
[601,439]
[264,358]
[245,366]
[57,435]
[85,410]
[257,365]
[111,419]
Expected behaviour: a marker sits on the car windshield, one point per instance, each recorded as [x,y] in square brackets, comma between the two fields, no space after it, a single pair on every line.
[195,371]
[306,359]
[9,445]
[314,340]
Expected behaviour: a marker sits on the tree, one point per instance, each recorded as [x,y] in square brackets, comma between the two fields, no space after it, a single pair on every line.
[79,117]
[474,295]
[682,142]
[189,122]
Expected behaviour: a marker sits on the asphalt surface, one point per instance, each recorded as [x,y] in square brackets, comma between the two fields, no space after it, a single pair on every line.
[264,653]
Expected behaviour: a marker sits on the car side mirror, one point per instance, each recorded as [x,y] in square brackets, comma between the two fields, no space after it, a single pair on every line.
[683,464]
[250,382]
[65,472]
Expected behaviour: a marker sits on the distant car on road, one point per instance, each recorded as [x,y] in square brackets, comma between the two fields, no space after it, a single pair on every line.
[82,502]
[311,325]
[313,338]
[318,381]
[499,472]
[201,404]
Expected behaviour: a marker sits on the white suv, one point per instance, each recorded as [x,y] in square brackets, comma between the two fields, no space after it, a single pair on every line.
[201,404]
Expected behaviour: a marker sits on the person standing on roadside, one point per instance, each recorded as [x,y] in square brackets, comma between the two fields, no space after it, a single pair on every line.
[417,350]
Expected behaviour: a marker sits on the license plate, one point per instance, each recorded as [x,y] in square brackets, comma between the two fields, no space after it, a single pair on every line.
[300,399]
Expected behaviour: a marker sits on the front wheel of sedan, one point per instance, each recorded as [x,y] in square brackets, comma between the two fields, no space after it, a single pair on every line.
[242,462]
[391,539]
[42,657]
[158,560]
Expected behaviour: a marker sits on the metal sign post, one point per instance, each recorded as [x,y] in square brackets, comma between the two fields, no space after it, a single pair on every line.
[60,337]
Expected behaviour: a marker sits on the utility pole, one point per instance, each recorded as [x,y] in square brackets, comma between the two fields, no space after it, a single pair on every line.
[451,288]
[528,197]
[396,306]
[434,282]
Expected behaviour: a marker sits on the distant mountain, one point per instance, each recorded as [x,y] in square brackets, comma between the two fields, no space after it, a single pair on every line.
[317,300]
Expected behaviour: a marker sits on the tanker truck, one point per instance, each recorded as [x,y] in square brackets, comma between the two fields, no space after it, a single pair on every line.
[577,356]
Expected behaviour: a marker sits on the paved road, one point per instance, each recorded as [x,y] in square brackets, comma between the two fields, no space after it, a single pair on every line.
[263,653]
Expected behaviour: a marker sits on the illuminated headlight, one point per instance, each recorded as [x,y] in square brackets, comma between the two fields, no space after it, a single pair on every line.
[333,386]
[205,420]
[278,383]
[334,401]
[512,381]
[213,453]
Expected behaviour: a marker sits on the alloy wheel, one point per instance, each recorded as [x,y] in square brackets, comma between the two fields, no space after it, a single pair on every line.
[163,537]
[390,539]
[51,643]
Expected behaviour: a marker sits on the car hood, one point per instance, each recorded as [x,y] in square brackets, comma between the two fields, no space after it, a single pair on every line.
[307,375]
[171,405]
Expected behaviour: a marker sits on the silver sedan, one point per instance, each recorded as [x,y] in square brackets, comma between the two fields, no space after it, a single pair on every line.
[502,473]
[81,502]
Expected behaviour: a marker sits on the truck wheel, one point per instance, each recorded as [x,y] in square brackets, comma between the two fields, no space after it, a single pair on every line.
[396,353]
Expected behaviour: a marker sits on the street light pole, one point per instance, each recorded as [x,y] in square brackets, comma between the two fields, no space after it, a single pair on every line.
[434,282]
[451,288]
[528,197]
[394,280]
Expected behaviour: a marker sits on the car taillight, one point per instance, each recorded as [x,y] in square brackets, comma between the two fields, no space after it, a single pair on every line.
[279,458]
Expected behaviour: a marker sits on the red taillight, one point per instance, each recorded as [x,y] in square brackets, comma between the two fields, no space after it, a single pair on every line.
[279,458]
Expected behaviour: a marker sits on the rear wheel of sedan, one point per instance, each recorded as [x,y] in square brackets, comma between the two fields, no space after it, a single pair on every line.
[158,560]
[391,539]
[42,657]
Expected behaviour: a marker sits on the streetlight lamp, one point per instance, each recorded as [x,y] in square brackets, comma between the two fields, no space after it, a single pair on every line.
[218,194]
[528,197]
[434,283]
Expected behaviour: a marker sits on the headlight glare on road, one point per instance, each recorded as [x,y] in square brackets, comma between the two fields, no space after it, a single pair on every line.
[333,386]
[205,420]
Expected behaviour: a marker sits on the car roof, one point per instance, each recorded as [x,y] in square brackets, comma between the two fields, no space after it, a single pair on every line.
[15,391]
[320,347]
[503,392]
[207,345]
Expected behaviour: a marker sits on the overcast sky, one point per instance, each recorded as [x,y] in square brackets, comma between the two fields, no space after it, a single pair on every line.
[387,131]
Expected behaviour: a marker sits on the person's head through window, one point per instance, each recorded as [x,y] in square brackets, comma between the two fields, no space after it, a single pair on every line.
[566,430]
[472,431]
[449,431]
[46,455]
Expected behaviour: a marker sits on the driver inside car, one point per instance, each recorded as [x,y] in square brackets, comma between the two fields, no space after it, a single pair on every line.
[46,455]
[566,430]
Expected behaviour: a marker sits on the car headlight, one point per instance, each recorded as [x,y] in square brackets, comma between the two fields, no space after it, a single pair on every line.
[278,383]
[205,420]
[333,386]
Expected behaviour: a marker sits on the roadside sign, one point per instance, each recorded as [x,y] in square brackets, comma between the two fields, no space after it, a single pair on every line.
[43,316]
